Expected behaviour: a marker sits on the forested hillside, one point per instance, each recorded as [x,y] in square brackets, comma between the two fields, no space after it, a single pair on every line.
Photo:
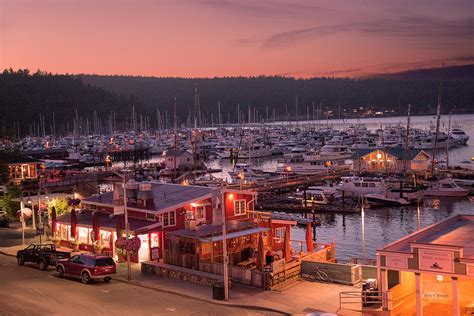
[28,101]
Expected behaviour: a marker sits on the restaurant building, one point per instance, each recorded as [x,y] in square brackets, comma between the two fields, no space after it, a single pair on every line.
[19,168]
[391,160]
[430,272]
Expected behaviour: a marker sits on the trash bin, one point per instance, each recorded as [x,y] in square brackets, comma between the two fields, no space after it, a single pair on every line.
[369,292]
[218,292]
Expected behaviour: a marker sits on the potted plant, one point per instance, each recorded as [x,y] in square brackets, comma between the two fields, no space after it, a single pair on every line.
[75,245]
[97,247]
[57,241]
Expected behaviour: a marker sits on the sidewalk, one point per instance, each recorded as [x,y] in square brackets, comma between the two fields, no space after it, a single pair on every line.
[301,297]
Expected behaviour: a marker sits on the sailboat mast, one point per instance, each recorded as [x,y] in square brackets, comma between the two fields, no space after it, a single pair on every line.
[447,143]
[407,138]
[438,117]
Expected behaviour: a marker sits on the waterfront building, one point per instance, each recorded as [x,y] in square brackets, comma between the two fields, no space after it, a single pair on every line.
[184,159]
[19,168]
[430,271]
[391,160]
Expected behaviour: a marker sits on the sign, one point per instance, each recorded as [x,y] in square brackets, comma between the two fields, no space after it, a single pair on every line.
[396,262]
[278,265]
[470,269]
[40,229]
[435,260]
[155,253]
[119,209]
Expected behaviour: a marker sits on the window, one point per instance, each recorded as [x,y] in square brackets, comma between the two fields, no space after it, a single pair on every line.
[83,235]
[357,184]
[200,212]
[169,219]
[280,233]
[365,185]
[104,262]
[239,207]
[64,232]
[150,217]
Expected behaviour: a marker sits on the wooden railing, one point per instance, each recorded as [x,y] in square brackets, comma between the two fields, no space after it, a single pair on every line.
[291,272]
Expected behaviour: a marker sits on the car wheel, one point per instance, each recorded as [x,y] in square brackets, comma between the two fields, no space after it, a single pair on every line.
[43,265]
[107,279]
[85,277]
[60,272]
[20,260]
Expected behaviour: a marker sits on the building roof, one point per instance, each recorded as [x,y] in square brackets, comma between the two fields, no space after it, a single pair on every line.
[397,152]
[457,231]
[165,196]
[84,218]
[179,152]
[12,158]
[213,231]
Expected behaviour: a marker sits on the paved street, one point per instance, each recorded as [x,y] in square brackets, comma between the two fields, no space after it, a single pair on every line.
[29,291]
[12,236]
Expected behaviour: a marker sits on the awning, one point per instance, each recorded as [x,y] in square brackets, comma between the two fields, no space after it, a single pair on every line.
[236,234]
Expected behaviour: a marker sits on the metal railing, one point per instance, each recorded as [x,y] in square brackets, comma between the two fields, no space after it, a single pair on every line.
[361,299]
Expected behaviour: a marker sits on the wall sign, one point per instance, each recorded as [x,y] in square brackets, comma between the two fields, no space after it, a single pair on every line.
[470,269]
[435,260]
[396,262]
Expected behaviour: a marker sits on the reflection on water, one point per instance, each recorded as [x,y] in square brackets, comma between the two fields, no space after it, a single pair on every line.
[382,225]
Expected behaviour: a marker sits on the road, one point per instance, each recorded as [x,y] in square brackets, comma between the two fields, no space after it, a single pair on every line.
[29,291]
[12,236]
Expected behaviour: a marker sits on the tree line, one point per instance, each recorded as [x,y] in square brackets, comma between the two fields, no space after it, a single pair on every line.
[46,103]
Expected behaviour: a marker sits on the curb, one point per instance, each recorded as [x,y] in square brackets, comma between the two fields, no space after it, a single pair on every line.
[253,307]
[7,254]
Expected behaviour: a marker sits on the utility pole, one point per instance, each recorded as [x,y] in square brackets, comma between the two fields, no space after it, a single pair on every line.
[224,246]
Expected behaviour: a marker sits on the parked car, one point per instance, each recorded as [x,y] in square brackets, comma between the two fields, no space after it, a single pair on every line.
[44,255]
[4,221]
[87,267]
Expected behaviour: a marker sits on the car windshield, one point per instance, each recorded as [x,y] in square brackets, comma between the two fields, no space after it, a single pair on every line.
[102,262]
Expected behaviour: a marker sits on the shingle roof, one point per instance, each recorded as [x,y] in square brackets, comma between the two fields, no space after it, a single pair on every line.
[165,196]
[84,218]
[397,152]
[9,158]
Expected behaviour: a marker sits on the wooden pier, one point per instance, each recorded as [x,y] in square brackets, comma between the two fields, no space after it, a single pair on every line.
[284,184]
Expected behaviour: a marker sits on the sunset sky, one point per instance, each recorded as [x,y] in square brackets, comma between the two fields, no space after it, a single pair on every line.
[207,38]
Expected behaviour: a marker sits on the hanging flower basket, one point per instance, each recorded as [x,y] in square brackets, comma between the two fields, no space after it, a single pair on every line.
[131,244]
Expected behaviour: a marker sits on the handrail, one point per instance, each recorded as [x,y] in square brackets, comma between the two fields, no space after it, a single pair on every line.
[356,297]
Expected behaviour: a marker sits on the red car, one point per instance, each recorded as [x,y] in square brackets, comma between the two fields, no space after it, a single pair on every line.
[87,267]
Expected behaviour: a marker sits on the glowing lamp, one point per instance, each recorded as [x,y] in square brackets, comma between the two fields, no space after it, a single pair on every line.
[231,196]
[288,168]
[379,156]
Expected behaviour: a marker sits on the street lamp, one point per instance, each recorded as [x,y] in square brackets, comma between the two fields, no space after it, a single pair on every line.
[127,228]
[30,203]
[241,176]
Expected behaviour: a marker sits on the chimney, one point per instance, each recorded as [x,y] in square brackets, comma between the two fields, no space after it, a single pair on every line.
[145,195]
[132,190]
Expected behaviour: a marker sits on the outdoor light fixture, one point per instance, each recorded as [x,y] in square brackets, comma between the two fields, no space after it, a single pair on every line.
[379,156]
[439,278]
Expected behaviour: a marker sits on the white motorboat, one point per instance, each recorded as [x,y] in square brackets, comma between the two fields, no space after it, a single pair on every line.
[459,135]
[445,187]
[355,186]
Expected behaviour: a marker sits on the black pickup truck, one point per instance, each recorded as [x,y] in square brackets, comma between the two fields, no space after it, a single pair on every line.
[42,254]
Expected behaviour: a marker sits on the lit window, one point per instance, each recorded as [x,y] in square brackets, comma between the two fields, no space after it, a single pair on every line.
[239,207]
[280,233]
[200,212]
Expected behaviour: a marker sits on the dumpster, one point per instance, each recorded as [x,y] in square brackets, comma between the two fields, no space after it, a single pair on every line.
[218,292]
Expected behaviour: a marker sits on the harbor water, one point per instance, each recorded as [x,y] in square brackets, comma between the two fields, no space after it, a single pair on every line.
[381,225]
